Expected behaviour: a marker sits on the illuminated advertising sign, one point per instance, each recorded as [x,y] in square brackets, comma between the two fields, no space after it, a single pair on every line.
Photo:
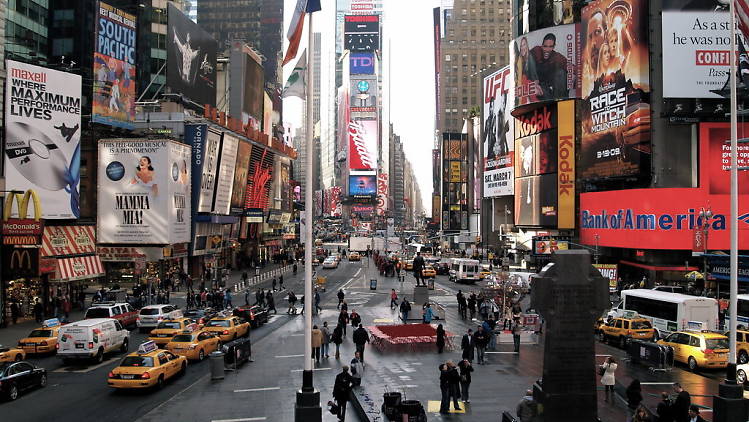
[361,64]
[566,165]
[364,95]
[362,144]
[454,181]
[362,187]
[497,132]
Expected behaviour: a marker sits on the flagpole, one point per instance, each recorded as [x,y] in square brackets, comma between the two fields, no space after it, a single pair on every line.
[308,399]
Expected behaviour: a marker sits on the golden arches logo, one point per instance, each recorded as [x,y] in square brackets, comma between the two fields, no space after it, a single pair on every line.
[18,258]
[23,205]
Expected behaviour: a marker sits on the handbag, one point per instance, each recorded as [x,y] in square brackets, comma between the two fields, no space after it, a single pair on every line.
[602,370]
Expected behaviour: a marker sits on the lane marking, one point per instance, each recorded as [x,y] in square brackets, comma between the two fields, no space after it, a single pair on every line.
[240,419]
[297,335]
[289,356]
[314,369]
[252,390]
[656,383]
[602,356]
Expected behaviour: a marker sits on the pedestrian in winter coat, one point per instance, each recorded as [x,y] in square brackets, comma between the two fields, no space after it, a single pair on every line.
[393,299]
[340,295]
[405,308]
[428,314]
[516,330]
[325,339]
[444,388]
[465,379]
[634,398]
[361,338]
[472,305]
[694,414]
[454,379]
[316,343]
[344,306]
[466,344]
[527,409]
[342,391]
[608,378]
[337,339]
[440,338]
[355,318]
[343,320]
[271,301]
[663,411]
[480,341]
[247,298]
[680,408]
[357,369]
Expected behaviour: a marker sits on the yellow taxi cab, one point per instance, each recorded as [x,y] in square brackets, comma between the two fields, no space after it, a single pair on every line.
[354,256]
[698,349]
[42,339]
[428,272]
[168,329]
[148,367]
[11,354]
[622,330]
[409,265]
[485,272]
[194,345]
[228,328]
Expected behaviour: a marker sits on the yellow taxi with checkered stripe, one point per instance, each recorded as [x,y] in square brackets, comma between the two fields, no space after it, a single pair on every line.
[41,340]
[194,344]
[148,367]
[163,333]
[228,328]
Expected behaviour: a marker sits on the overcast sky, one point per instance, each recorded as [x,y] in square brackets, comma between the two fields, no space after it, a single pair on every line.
[408,23]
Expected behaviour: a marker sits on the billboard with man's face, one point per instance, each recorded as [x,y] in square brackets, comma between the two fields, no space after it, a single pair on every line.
[615,83]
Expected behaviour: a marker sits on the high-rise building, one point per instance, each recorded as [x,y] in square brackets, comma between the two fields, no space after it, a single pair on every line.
[26,26]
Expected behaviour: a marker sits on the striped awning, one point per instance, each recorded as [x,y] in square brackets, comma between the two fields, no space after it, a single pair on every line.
[78,268]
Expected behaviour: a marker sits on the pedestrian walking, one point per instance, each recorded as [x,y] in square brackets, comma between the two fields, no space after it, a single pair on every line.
[247,297]
[440,338]
[355,319]
[316,343]
[608,379]
[361,338]
[641,415]
[344,306]
[489,326]
[480,341]
[292,303]
[634,398]
[318,308]
[38,311]
[462,305]
[527,409]
[325,339]
[271,301]
[680,408]
[466,344]
[342,391]
[280,279]
[465,379]
[15,311]
[428,314]
[341,296]
[343,320]
[337,339]
[393,299]
[357,369]
[405,308]
[274,284]
[663,411]
[472,305]
[516,330]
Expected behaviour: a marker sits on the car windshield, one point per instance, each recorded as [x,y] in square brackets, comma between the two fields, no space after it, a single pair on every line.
[41,333]
[182,338]
[150,311]
[641,325]
[716,343]
[172,325]
[192,314]
[97,313]
[218,323]
[137,361]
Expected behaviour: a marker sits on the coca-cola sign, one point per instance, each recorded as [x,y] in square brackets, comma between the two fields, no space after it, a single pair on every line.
[362,135]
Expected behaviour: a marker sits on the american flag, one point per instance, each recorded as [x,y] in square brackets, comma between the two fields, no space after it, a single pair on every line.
[742,13]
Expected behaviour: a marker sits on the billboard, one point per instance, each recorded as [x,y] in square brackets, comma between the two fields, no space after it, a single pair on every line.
[454,180]
[361,64]
[259,178]
[536,200]
[247,78]
[615,85]
[383,186]
[114,68]
[361,33]
[546,65]
[42,136]
[546,245]
[363,95]
[144,192]
[190,59]
[715,157]
[362,136]
[497,134]
[205,145]
[362,187]
[566,165]
[225,177]
[696,48]
[241,170]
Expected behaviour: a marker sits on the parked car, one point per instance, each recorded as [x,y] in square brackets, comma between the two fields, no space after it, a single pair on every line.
[122,312]
[17,377]
[150,316]
[256,315]
[200,316]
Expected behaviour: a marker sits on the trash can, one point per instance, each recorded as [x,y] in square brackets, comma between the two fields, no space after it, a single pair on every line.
[217,365]
[430,284]
[412,411]
[373,284]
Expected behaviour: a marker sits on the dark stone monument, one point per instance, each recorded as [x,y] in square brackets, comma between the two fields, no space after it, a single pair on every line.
[570,294]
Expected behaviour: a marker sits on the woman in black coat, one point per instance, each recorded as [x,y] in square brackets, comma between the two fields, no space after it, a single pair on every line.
[634,397]
[440,338]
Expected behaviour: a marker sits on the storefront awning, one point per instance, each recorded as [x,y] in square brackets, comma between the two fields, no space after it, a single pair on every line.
[659,267]
[78,268]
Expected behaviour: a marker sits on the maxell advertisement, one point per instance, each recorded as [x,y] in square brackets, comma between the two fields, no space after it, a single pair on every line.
[225,180]
[114,68]
[364,95]
[191,59]
[615,82]
[696,48]
[241,170]
[545,65]
[42,136]
[362,136]
[144,192]
[205,145]
[497,134]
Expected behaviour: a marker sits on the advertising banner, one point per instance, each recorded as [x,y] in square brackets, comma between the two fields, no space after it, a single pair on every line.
[436,209]
[546,65]
[241,169]
[362,187]
[225,179]
[696,48]
[191,59]
[114,68]
[361,33]
[498,141]
[42,136]
[383,186]
[259,179]
[715,158]
[454,193]
[546,245]
[246,72]
[609,271]
[144,192]
[68,240]
[205,145]
[615,82]
[566,165]
[361,64]
[363,94]
[362,144]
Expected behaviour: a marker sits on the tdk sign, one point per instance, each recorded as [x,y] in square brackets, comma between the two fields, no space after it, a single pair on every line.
[362,64]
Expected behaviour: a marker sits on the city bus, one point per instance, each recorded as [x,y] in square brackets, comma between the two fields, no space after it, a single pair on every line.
[742,317]
[671,312]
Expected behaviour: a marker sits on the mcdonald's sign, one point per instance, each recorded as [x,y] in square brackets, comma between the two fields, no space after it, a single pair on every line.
[22,231]
[20,263]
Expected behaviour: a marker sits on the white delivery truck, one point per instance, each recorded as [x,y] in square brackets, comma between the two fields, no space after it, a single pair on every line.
[91,339]
[359,244]
[464,270]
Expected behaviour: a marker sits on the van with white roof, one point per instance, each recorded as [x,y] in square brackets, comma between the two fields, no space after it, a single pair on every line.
[91,339]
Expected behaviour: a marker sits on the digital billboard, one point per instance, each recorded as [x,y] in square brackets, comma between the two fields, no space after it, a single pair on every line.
[113,102]
[498,141]
[246,72]
[362,187]
[363,144]
[715,158]
[364,95]
[191,59]
[615,85]
[361,64]
[454,180]
[361,33]
[241,170]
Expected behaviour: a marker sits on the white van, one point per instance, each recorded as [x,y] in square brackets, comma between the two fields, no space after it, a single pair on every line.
[150,316]
[464,270]
[91,339]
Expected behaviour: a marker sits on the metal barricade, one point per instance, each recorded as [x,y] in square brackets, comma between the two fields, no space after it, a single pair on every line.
[656,356]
